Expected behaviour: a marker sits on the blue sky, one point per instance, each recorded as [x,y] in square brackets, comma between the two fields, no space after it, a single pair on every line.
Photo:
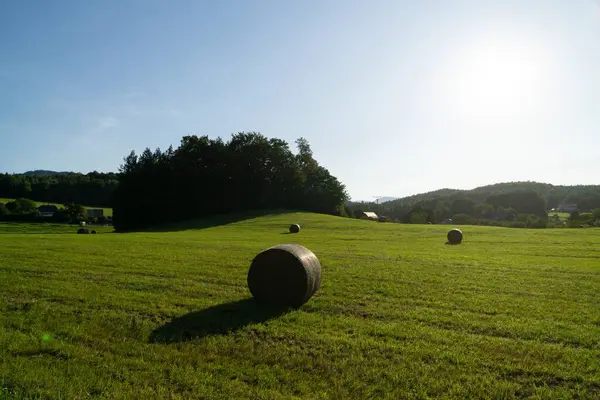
[395,97]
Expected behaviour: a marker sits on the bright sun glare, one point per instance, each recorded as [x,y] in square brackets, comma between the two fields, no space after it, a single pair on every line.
[497,80]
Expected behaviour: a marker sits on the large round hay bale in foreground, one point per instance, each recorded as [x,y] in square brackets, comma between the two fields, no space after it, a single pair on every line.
[83,231]
[455,236]
[294,228]
[284,275]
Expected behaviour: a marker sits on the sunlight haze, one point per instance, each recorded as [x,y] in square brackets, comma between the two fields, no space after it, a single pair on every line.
[395,97]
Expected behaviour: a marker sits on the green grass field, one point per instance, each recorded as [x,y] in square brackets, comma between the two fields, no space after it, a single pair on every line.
[563,216]
[510,313]
[107,211]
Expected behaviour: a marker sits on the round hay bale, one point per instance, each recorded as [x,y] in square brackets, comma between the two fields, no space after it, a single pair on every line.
[455,236]
[83,231]
[288,275]
[93,232]
[294,228]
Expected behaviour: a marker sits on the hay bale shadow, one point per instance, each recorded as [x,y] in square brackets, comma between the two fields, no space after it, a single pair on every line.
[217,320]
[206,221]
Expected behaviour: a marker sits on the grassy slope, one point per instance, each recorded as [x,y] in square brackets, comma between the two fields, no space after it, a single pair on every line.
[509,313]
[562,215]
[107,211]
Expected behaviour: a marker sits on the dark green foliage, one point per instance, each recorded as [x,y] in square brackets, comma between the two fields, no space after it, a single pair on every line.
[507,199]
[463,206]
[43,172]
[532,220]
[418,218]
[94,188]
[477,207]
[74,212]
[12,207]
[283,275]
[576,220]
[526,202]
[485,210]
[25,210]
[206,177]
[21,207]
[463,219]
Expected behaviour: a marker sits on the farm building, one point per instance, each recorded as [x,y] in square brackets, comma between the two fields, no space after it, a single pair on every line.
[369,215]
[94,212]
[567,207]
[47,210]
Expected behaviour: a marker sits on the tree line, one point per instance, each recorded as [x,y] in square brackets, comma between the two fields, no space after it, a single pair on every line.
[204,177]
[26,210]
[520,208]
[512,204]
[92,189]
[587,197]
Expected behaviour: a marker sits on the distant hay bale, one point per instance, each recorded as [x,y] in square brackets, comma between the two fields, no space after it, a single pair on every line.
[287,274]
[455,236]
[83,231]
[294,228]
[93,232]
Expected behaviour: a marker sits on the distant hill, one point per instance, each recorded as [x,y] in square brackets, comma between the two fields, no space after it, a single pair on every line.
[381,200]
[385,199]
[585,196]
[94,188]
[43,172]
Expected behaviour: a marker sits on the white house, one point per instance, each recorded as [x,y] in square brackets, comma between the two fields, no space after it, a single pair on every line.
[369,215]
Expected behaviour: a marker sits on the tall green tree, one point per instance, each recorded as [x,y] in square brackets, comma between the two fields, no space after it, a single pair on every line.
[74,212]
[205,177]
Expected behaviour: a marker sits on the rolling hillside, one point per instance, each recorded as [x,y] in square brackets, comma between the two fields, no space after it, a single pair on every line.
[553,195]
[167,314]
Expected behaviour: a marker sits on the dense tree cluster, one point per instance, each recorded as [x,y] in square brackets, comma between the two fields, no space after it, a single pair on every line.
[520,208]
[26,210]
[205,176]
[93,189]
[587,197]
[515,204]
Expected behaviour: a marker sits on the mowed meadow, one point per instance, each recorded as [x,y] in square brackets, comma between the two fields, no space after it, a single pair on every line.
[510,313]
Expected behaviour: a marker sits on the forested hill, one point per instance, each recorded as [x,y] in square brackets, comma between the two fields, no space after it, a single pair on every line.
[585,196]
[204,177]
[43,172]
[502,201]
[94,188]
